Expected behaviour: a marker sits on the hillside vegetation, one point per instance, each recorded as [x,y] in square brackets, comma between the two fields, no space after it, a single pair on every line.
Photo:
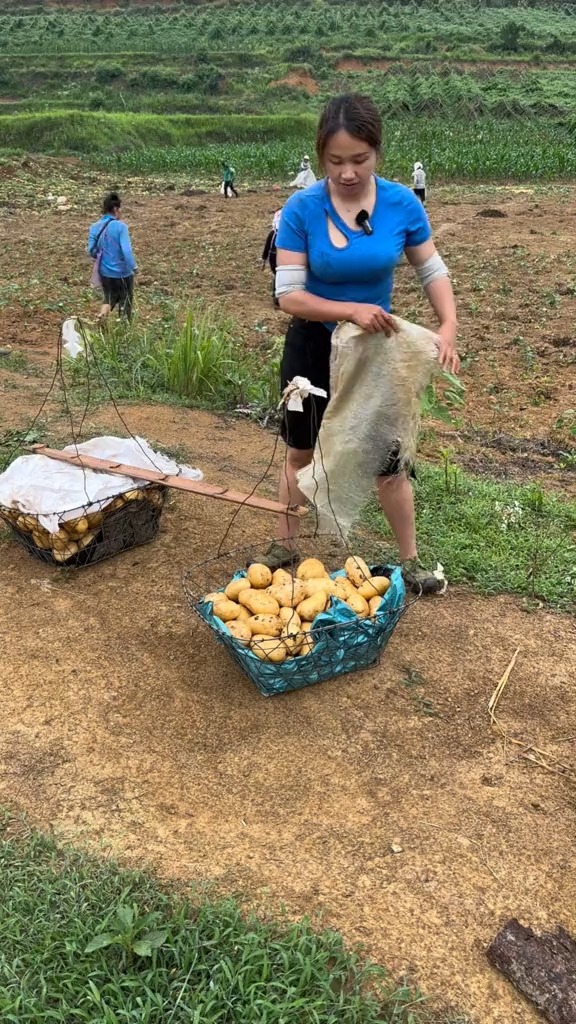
[478,90]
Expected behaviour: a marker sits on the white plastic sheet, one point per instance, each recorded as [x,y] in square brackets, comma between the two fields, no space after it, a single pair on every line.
[56,491]
[72,342]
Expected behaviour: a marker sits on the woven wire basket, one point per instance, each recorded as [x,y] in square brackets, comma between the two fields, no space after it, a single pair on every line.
[339,647]
[91,533]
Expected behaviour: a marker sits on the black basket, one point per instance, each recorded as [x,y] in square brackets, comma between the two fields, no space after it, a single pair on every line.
[95,532]
[339,647]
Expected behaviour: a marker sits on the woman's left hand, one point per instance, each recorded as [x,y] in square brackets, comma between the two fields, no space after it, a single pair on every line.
[447,354]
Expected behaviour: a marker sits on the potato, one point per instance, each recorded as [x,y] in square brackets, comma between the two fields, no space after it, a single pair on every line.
[289,617]
[374,605]
[268,648]
[26,523]
[359,605]
[356,570]
[259,603]
[310,569]
[60,540]
[307,645]
[266,625]
[235,587]
[215,595]
[155,496]
[375,586]
[116,504]
[343,588]
[133,495]
[94,520]
[325,584]
[280,577]
[240,631]
[67,553]
[226,610]
[41,541]
[293,637]
[76,528]
[290,594]
[305,627]
[260,576]
[86,539]
[243,616]
[312,606]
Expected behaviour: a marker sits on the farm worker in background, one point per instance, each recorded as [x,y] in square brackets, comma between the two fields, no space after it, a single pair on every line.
[228,175]
[330,269]
[109,242]
[269,252]
[305,176]
[419,182]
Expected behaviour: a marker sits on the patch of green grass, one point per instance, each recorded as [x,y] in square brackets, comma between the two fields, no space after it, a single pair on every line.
[13,441]
[499,537]
[189,355]
[83,940]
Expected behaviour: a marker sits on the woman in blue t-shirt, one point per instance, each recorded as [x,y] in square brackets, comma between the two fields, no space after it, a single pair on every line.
[109,243]
[338,243]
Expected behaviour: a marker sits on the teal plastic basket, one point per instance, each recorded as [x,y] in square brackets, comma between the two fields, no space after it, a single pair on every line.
[343,643]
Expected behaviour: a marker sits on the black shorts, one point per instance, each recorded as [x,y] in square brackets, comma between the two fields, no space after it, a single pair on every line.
[119,291]
[421,193]
[307,354]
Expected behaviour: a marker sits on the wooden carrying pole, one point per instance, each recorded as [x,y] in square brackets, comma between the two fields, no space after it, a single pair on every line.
[153,476]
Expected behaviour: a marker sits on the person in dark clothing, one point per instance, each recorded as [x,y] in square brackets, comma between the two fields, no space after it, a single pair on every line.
[269,254]
[228,176]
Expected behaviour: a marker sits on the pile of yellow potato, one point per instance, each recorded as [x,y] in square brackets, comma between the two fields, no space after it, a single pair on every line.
[75,534]
[272,613]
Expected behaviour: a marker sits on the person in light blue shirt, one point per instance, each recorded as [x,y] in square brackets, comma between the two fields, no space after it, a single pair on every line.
[338,244]
[109,243]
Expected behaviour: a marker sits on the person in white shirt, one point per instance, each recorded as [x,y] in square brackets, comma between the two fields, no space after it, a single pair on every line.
[305,176]
[419,182]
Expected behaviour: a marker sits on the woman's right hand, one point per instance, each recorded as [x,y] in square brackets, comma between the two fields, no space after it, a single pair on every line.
[373,319]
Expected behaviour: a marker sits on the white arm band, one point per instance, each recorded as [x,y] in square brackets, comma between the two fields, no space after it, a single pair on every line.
[433,268]
[290,279]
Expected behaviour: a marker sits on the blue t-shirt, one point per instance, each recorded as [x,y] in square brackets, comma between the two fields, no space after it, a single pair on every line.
[117,258]
[363,271]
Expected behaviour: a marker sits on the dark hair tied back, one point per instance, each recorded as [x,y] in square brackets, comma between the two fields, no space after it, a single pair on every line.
[111,202]
[353,113]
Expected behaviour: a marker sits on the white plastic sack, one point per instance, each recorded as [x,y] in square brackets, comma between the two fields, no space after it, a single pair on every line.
[72,342]
[304,179]
[56,491]
[376,387]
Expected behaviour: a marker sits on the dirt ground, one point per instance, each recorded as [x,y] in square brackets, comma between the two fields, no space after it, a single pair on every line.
[127,727]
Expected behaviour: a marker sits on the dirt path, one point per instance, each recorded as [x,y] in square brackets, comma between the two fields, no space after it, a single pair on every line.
[124,724]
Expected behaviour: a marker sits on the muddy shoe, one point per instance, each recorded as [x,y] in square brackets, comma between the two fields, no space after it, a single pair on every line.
[418,579]
[278,556]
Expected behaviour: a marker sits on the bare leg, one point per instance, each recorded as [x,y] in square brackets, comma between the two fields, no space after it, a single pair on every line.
[397,503]
[289,491]
[104,311]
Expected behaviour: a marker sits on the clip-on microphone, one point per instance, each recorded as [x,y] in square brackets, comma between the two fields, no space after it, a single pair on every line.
[363,221]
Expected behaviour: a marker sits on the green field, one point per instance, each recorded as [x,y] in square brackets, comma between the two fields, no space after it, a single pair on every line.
[477,91]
